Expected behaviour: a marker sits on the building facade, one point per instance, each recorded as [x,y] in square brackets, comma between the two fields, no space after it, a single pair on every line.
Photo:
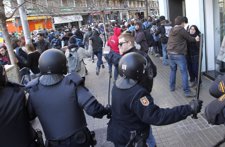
[209,16]
[114,9]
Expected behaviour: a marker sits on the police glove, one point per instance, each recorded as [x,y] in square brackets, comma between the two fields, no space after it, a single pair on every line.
[109,111]
[196,106]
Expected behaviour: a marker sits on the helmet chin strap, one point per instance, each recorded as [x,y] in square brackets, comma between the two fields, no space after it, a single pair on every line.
[125,83]
[51,79]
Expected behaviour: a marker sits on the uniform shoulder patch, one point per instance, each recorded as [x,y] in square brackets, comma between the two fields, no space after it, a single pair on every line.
[221,87]
[222,98]
[144,101]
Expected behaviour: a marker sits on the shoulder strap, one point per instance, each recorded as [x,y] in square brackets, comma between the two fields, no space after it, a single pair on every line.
[33,84]
[74,78]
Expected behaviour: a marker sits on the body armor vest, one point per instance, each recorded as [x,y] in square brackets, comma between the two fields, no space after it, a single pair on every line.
[57,109]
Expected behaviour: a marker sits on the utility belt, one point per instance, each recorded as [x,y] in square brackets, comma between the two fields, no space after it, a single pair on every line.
[80,137]
[138,138]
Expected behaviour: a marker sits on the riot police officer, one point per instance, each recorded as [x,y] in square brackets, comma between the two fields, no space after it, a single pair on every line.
[15,129]
[215,110]
[126,45]
[133,109]
[58,101]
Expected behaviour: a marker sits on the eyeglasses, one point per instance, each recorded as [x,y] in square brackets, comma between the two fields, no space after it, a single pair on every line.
[121,43]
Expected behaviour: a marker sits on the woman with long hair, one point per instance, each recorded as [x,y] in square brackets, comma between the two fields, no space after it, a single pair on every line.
[193,56]
[33,57]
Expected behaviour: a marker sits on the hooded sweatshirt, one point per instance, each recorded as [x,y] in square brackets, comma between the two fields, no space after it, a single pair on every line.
[140,37]
[113,41]
[177,43]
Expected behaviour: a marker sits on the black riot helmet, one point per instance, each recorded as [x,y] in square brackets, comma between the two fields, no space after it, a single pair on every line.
[2,76]
[53,61]
[132,66]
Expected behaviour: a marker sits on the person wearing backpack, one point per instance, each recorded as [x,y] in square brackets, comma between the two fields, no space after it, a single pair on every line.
[164,31]
[75,56]
[97,44]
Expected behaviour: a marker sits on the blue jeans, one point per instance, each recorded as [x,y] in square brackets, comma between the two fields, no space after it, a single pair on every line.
[164,52]
[99,56]
[178,60]
[151,139]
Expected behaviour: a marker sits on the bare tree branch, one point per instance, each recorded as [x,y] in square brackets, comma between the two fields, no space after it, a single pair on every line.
[16,10]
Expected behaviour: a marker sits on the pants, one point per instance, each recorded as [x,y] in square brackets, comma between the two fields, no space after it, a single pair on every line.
[164,52]
[99,56]
[178,60]
[192,63]
[151,139]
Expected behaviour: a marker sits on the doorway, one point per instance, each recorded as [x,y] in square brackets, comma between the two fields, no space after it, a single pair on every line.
[176,8]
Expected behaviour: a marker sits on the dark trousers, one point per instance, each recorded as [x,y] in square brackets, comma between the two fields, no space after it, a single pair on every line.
[99,56]
[192,64]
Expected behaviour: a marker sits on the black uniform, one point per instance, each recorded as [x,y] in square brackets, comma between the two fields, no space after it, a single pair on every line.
[15,129]
[217,88]
[215,110]
[60,107]
[133,109]
[147,80]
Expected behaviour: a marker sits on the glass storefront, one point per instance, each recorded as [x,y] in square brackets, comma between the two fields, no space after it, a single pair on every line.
[220,50]
[219,42]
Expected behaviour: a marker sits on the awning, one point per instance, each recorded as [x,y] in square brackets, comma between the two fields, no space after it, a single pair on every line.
[67,19]
[32,18]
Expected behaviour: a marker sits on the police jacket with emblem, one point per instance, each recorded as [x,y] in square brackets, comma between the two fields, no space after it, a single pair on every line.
[60,107]
[217,88]
[215,111]
[147,80]
[15,129]
[133,109]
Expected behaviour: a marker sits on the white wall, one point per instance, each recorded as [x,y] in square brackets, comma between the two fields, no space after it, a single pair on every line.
[210,41]
[163,8]
[195,14]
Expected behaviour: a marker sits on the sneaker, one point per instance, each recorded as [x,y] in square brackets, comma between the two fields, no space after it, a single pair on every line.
[97,71]
[189,94]
[103,66]
[93,61]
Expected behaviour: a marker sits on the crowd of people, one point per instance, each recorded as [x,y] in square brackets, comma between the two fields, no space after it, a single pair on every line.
[57,95]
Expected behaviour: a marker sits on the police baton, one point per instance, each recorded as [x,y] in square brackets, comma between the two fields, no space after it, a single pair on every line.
[109,87]
[199,73]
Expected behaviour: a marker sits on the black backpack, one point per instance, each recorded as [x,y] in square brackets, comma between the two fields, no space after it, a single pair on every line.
[149,37]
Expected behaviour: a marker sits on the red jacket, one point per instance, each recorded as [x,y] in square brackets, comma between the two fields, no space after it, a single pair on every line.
[113,40]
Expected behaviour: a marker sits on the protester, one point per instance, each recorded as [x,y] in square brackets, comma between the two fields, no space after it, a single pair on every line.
[177,51]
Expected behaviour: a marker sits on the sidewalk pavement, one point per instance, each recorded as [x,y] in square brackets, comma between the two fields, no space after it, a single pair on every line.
[186,133]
